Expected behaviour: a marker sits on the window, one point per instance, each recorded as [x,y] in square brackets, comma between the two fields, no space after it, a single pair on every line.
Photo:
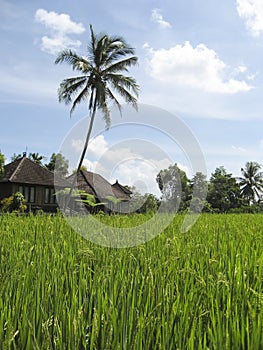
[28,192]
[32,195]
[50,197]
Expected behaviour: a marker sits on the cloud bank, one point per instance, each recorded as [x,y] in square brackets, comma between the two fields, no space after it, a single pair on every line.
[60,27]
[251,11]
[195,67]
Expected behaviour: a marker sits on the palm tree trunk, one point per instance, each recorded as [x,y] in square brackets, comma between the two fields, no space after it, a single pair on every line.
[82,154]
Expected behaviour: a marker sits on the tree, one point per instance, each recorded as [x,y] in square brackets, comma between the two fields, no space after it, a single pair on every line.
[251,182]
[36,157]
[2,163]
[101,76]
[224,192]
[150,203]
[59,162]
[175,188]
[16,156]
[199,185]
[143,203]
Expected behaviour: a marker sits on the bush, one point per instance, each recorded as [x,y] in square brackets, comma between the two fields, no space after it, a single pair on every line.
[16,202]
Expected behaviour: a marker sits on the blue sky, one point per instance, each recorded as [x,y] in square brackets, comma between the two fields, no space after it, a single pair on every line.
[200,61]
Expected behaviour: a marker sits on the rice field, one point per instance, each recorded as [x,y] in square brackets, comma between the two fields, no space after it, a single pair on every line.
[199,290]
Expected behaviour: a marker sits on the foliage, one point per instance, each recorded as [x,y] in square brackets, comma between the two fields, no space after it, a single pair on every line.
[16,156]
[16,202]
[224,191]
[251,182]
[150,203]
[83,168]
[199,186]
[142,203]
[175,188]
[59,163]
[79,196]
[2,163]
[88,199]
[200,290]
[36,157]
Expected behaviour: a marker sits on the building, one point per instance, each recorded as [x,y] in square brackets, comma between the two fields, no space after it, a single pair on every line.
[114,198]
[36,183]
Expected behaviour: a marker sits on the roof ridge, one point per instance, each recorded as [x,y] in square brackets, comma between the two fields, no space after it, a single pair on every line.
[19,165]
[86,180]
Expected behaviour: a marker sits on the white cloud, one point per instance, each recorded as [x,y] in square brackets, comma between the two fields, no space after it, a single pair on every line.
[140,173]
[238,149]
[157,17]
[196,67]
[60,27]
[252,12]
[58,43]
[77,145]
[98,146]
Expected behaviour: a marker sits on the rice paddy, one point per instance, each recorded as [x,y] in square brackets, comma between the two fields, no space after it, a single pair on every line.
[199,290]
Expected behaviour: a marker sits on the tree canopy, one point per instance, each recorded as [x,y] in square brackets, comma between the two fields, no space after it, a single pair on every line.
[59,163]
[251,182]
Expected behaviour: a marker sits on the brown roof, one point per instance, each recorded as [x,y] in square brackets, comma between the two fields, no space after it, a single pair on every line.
[97,185]
[118,186]
[25,171]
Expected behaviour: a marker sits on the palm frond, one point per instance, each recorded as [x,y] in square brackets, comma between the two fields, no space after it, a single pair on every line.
[121,80]
[111,96]
[82,96]
[69,87]
[74,60]
[120,66]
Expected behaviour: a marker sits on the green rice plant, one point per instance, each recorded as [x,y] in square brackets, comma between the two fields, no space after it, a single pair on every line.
[199,290]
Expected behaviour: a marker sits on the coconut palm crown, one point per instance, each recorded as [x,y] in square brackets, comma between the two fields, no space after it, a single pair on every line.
[251,181]
[100,78]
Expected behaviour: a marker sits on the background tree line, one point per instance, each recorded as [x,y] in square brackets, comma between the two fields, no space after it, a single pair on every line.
[223,193]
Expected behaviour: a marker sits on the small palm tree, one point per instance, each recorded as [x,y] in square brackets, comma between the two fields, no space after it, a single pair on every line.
[100,77]
[36,157]
[251,182]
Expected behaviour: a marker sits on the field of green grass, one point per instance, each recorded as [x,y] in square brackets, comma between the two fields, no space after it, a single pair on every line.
[199,290]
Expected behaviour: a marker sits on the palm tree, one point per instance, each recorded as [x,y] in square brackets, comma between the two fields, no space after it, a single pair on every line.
[100,77]
[252,181]
[36,157]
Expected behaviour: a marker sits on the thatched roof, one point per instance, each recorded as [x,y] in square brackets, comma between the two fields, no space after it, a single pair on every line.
[98,186]
[118,187]
[25,171]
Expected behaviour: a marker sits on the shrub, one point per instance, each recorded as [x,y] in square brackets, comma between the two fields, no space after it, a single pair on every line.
[16,202]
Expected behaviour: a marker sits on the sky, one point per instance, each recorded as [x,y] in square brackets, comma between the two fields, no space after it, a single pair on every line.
[200,74]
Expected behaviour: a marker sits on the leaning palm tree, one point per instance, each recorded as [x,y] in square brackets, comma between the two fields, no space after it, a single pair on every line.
[251,182]
[100,79]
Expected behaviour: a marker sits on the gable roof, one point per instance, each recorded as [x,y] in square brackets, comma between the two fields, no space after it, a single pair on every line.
[25,171]
[98,186]
[117,186]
